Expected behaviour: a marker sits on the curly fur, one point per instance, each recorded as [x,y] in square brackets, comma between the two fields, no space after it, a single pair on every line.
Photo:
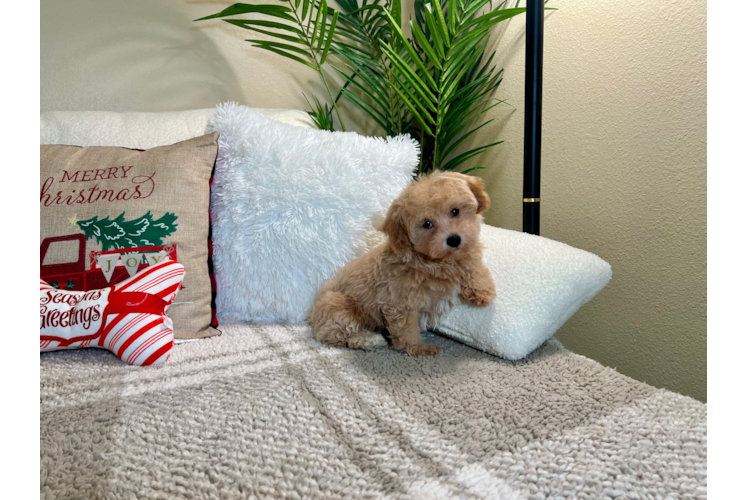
[403,285]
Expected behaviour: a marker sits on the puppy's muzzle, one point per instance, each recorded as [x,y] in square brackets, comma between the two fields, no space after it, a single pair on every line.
[454,240]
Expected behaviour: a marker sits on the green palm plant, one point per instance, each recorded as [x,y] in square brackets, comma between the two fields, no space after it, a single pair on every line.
[436,85]
[441,77]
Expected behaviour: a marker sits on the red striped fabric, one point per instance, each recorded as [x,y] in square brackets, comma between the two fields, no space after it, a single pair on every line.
[138,337]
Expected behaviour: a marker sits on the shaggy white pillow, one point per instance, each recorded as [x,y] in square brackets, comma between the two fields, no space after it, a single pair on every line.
[291,206]
[540,284]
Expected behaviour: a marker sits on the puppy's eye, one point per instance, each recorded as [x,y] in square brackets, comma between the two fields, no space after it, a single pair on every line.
[428,224]
[455,212]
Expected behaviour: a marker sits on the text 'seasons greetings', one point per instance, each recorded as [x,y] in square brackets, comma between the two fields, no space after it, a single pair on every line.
[76,187]
[51,316]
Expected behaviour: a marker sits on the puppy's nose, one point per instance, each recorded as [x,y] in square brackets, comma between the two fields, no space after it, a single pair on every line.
[454,240]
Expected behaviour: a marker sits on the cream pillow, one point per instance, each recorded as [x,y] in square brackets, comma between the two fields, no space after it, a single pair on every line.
[138,130]
[540,284]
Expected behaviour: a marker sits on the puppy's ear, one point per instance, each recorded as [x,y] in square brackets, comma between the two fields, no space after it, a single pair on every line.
[476,186]
[394,226]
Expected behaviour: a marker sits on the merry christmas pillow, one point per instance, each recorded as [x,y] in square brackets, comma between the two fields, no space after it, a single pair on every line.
[107,213]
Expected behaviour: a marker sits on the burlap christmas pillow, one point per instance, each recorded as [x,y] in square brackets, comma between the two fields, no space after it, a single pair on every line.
[108,212]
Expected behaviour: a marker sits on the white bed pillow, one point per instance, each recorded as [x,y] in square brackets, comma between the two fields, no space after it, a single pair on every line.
[540,284]
[138,130]
[291,206]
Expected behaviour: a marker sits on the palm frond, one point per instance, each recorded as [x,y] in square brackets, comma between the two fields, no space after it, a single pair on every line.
[441,78]
[320,114]
[362,31]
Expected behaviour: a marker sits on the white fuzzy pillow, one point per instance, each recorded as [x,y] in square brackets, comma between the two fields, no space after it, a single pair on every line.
[540,284]
[291,206]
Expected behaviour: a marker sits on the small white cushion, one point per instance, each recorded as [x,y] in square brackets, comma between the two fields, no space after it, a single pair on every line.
[140,130]
[291,206]
[540,284]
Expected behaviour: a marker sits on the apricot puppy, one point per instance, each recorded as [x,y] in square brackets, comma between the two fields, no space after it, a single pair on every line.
[432,251]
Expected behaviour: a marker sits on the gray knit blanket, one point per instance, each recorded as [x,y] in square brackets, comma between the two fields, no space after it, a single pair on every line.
[267,412]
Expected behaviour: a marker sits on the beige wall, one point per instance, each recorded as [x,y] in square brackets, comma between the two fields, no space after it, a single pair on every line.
[624,141]
[623,175]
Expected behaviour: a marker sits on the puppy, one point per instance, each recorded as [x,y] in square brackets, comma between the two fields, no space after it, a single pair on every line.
[432,252]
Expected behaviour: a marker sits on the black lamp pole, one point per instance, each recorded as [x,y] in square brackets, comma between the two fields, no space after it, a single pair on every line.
[533,101]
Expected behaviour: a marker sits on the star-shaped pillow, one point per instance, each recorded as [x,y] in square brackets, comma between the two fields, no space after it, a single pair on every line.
[129,318]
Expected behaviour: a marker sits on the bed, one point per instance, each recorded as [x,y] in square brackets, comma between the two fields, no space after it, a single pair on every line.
[265,411]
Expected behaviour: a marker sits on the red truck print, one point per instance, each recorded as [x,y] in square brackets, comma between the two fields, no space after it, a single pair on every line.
[73,275]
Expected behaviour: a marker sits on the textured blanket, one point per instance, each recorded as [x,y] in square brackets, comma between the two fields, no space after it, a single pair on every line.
[267,412]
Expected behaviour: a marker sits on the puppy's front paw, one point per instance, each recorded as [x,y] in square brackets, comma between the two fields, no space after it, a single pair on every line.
[366,341]
[423,350]
[478,297]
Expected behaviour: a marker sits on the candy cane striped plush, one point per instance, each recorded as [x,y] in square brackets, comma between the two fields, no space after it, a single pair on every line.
[128,318]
